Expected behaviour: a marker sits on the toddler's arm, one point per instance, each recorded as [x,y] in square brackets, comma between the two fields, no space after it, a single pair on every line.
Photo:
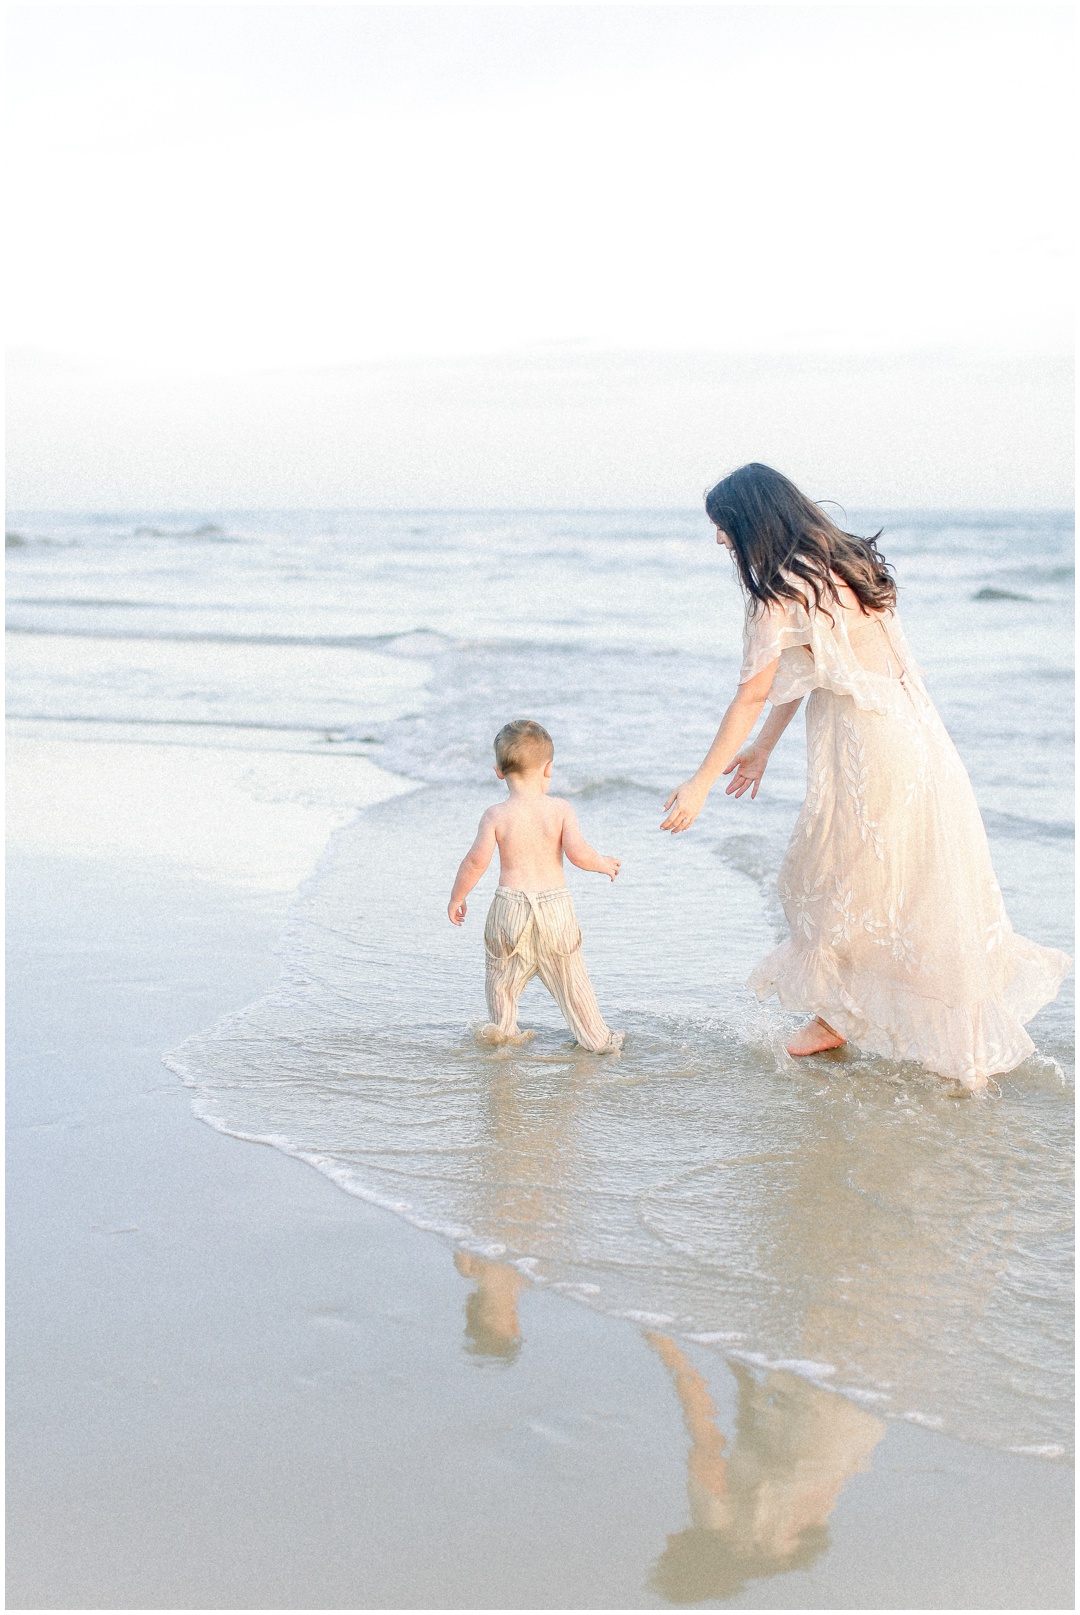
[473,865]
[579,852]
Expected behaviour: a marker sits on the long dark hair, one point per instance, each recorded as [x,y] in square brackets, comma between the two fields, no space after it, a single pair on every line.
[781,536]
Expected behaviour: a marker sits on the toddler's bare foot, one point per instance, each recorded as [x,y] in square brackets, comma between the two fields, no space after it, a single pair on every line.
[616,1041]
[494,1034]
[814,1038]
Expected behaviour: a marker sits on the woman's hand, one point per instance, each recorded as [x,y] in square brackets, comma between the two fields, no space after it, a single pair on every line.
[748,768]
[685,804]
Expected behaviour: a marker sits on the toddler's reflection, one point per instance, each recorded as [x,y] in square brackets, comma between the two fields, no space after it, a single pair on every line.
[491,1315]
[760,1508]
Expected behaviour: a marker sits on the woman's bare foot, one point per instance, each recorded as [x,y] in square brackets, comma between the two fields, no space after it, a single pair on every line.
[814,1038]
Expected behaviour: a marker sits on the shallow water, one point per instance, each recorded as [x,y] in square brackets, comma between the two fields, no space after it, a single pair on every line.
[846,1219]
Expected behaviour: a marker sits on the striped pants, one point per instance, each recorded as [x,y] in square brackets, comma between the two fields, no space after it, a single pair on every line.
[536,934]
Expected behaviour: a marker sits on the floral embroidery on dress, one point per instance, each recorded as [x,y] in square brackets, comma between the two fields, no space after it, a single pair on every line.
[918,783]
[899,934]
[817,784]
[896,932]
[802,901]
[848,921]
[857,775]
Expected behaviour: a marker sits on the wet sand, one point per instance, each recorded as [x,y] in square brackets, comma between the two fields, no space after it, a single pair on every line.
[233,1386]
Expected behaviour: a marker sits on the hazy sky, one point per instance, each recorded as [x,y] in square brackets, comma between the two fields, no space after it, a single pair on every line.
[210,191]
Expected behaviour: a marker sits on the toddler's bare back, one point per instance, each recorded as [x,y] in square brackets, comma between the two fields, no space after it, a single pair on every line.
[529,834]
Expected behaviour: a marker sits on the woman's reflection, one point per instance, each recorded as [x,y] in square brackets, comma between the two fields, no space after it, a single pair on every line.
[760,1507]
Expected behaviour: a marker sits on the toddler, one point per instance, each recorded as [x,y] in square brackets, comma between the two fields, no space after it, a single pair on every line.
[531,929]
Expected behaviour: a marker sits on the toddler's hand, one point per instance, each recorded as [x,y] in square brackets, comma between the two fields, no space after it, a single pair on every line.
[609,867]
[456,912]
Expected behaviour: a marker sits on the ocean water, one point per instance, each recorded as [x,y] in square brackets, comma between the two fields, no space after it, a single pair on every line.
[845,1220]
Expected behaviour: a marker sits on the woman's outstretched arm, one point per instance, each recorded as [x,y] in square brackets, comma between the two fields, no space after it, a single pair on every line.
[752,761]
[684,805]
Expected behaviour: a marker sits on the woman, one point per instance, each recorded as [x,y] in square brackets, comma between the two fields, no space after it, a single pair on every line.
[899,936]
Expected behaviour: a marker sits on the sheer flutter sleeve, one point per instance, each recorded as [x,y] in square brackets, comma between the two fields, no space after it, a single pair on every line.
[780,631]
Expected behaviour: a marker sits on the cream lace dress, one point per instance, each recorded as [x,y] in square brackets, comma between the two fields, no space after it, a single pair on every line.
[899,935]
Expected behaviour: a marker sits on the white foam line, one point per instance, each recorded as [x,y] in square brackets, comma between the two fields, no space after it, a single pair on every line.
[929,1421]
[855,1393]
[1047,1451]
[802,1366]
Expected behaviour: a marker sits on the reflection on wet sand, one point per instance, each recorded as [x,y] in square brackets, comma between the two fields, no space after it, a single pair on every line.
[527,1153]
[760,1507]
[491,1315]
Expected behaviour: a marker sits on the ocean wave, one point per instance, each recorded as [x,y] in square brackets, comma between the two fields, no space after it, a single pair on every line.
[613,784]
[83,602]
[165,724]
[209,532]
[22,541]
[1021,828]
[366,642]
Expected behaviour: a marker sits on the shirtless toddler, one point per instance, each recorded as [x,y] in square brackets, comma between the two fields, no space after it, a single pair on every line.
[531,929]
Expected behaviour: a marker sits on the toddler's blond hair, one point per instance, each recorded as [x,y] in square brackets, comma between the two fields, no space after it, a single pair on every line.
[521,745]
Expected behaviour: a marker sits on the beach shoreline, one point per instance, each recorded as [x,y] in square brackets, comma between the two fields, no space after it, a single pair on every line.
[233,1385]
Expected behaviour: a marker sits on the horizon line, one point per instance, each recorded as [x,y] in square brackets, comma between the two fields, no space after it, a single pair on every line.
[108,511]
